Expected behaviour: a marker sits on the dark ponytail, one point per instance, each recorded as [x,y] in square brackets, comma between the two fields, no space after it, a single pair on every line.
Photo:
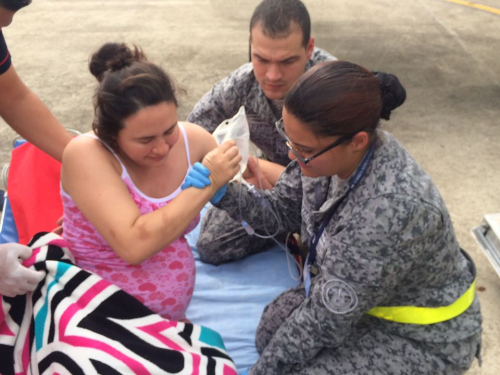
[112,57]
[392,92]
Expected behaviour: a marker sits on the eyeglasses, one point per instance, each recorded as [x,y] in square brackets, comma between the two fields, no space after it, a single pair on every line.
[281,130]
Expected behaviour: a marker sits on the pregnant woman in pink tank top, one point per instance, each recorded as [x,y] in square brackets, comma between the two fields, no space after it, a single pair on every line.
[125,215]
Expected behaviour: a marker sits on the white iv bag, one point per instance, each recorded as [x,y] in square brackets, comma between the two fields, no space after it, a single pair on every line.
[236,128]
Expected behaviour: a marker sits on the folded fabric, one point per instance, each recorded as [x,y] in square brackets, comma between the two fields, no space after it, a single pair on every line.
[77,323]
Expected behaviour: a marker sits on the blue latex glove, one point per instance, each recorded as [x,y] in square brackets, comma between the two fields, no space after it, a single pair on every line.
[197,177]
[244,372]
[218,195]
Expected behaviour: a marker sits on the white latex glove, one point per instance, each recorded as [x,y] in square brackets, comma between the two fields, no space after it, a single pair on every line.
[14,277]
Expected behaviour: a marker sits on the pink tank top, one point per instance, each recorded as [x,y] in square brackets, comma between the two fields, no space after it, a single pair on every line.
[164,282]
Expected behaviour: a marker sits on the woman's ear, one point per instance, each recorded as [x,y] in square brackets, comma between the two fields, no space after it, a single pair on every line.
[360,141]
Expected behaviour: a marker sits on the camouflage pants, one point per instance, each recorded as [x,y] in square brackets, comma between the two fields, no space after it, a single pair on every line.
[223,239]
[368,351]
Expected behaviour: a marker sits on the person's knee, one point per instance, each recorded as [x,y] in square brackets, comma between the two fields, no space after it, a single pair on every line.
[221,239]
[205,243]
[207,250]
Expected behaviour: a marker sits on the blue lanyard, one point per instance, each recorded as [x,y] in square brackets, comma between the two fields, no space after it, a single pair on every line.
[354,181]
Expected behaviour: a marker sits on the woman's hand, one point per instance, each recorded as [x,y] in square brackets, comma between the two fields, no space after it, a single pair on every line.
[198,177]
[223,163]
[58,229]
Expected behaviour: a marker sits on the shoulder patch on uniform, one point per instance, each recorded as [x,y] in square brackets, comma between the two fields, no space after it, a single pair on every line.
[338,296]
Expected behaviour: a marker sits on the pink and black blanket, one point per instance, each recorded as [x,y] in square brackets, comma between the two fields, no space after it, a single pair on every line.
[77,323]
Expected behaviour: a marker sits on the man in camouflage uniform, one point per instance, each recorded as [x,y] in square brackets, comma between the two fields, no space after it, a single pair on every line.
[281,49]
[390,242]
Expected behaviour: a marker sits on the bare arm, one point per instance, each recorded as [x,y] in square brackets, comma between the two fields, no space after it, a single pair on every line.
[29,117]
[95,185]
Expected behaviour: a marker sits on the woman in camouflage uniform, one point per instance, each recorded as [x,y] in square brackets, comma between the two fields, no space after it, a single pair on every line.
[380,238]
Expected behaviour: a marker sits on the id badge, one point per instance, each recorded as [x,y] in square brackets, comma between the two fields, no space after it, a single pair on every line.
[309,269]
[307,279]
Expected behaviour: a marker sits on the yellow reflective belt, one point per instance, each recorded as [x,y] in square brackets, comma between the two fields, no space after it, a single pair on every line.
[425,315]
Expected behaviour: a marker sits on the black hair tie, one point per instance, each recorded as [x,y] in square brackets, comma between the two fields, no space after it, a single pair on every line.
[392,92]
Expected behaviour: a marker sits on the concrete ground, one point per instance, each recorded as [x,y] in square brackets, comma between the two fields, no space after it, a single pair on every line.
[445,53]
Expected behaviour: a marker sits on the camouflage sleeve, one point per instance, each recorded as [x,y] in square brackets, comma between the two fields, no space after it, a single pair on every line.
[354,277]
[220,103]
[269,211]
[320,55]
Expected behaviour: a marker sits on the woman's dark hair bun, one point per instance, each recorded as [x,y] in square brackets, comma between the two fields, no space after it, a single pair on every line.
[392,91]
[113,57]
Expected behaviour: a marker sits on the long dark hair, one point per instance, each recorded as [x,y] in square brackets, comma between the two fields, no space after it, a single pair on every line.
[127,84]
[338,98]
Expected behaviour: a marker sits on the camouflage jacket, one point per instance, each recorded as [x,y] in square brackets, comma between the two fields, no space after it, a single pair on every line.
[241,88]
[389,243]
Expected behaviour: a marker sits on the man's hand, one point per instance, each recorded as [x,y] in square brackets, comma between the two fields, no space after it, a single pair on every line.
[254,175]
[14,277]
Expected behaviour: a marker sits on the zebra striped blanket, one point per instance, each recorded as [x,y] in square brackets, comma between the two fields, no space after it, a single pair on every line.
[77,323]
